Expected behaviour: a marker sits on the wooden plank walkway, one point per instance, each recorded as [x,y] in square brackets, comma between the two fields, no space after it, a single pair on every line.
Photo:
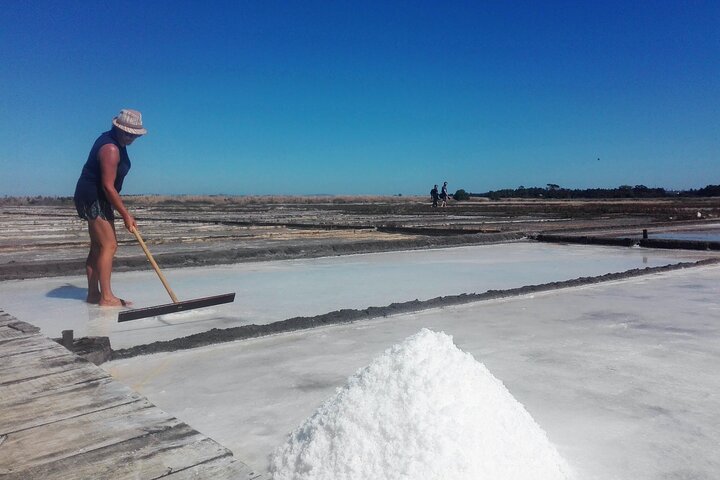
[61,417]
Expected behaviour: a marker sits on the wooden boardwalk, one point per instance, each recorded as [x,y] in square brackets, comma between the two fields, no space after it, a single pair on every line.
[62,417]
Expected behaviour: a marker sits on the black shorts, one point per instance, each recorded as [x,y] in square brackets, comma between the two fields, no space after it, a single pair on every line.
[98,208]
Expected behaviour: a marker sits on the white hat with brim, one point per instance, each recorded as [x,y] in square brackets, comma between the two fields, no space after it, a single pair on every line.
[130,121]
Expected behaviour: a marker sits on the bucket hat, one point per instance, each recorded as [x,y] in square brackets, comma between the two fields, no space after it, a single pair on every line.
[130,121]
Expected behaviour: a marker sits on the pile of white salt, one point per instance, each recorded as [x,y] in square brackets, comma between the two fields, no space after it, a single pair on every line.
[422,410]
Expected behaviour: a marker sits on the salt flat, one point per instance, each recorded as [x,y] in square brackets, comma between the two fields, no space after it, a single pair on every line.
[620,375]
[272,291]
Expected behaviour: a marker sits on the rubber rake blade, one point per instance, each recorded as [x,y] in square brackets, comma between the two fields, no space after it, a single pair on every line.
[175,307]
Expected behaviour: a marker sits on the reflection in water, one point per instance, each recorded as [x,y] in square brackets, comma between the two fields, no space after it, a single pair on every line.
[101,320]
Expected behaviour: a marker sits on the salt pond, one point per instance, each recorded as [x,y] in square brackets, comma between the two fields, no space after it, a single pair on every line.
[272,291]
[698,236]
[709,232]
[621,376]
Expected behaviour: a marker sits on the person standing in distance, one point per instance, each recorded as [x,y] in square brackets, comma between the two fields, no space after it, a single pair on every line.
[434,196]
[97,197]
[444,194]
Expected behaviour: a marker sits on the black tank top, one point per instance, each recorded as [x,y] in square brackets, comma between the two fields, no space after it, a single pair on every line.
[89,185]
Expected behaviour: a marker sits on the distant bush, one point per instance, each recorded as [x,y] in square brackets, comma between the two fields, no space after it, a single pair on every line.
[554,191]
[461,195]
[708,191]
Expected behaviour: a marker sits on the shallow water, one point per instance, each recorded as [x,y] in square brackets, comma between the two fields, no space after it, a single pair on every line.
[700,235]
[272,291]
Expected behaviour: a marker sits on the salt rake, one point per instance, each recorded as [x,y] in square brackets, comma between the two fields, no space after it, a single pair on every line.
[176,306]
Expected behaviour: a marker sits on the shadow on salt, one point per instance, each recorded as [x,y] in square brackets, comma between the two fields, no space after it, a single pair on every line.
[68,292]
[423,409]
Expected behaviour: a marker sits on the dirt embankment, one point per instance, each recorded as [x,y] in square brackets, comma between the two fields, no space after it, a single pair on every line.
[40,241]
[629,242]
[23,270]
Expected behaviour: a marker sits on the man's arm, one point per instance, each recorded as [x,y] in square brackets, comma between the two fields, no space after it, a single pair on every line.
[109,157]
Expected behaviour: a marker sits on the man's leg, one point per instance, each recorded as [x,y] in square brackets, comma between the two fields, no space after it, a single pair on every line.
[102,233]
[93,295]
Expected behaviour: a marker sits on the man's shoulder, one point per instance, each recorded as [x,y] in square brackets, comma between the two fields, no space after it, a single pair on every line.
[109,147]
[109,152]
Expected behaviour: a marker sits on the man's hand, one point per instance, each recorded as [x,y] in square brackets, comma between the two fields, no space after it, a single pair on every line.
[130,223]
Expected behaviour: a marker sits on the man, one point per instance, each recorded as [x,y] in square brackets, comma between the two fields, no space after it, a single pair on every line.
[444,194]
[97,197]
[434,196]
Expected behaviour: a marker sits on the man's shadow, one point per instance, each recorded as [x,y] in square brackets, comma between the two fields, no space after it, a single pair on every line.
[68,291]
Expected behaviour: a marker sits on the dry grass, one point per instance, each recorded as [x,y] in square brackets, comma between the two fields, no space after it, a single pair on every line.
[241,200]
[233,200]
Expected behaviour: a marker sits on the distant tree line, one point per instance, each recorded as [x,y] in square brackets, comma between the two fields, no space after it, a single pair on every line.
[709,191]
[553,190]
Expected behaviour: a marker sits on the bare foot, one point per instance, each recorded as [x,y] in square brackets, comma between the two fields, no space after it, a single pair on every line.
[114,302]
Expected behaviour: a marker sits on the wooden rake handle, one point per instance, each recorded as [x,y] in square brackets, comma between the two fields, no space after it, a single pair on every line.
[149,256]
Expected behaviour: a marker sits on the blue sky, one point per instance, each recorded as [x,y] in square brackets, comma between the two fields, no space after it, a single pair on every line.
[363,97]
